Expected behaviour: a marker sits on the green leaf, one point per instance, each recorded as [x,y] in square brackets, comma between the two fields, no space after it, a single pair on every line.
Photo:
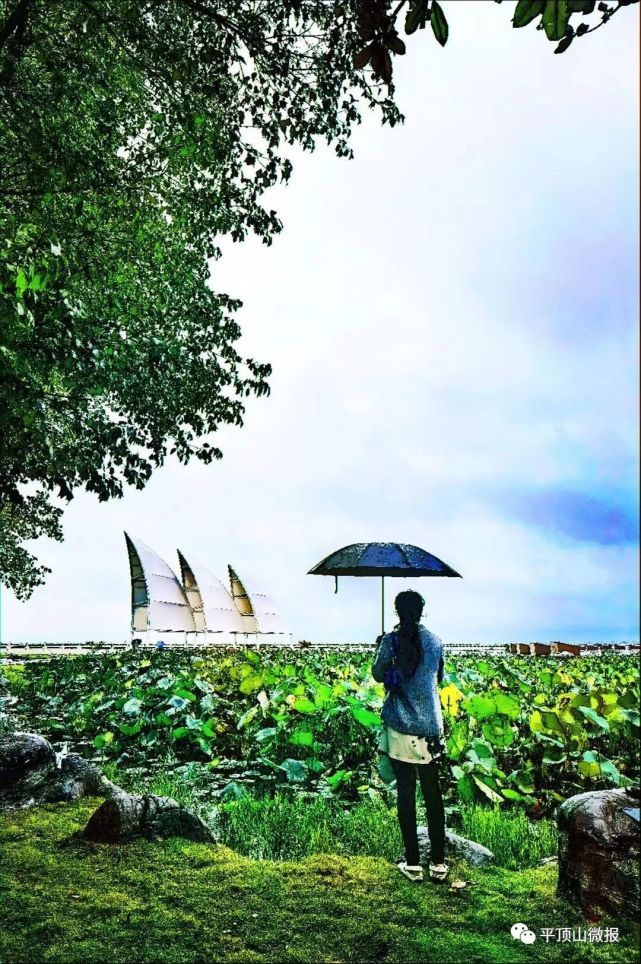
[296,770]
[609,769]
[551,720]
[207,703]
[178,702]
[203,685]
[415,16]
[251,683]
[302,737]
[592,715]
[465,787]
[439,23]
[385,769]
[589,769]
[103,739]
[482,753]
[511,794]
[130,729]
[526,11]
[261,736]
[629,699]
[322,693]
[247,717]
[480,707]
[507,705]
[232,791]
[21,282]
[555,19]
[457,740]
[304,706]
[633,717]
[487,791]
[186,695]
[554,754]
[316,765]
[482,749]
[336,778]
[498,731]
[366,717]
[132,706]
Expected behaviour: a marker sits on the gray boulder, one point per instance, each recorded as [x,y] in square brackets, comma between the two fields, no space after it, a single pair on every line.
[127,817]
[27,765]
[79,778]
[29,775]
[599,835]
[474,853]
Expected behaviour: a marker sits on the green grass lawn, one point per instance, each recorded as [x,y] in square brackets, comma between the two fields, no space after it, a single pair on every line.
[66,901]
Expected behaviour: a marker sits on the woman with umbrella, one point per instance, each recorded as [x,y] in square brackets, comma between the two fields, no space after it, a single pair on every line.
[410,663]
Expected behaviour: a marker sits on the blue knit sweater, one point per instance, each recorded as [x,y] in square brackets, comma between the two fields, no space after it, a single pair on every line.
[417,708]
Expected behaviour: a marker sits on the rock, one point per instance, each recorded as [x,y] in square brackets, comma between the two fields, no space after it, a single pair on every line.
[128,816]
[474,853]
[599,835]
[27,764]
[29,775]
[79,778]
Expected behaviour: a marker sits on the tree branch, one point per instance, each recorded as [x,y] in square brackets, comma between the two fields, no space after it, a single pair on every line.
[16,21]
[13,35]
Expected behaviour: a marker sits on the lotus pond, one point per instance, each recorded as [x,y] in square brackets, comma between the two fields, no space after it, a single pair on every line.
[522,732]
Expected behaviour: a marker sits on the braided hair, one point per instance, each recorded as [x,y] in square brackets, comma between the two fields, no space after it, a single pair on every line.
[409,606]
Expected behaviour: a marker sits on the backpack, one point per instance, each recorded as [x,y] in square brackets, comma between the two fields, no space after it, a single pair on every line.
[393,679]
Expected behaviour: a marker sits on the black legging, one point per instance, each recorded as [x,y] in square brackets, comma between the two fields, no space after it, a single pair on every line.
[406,803]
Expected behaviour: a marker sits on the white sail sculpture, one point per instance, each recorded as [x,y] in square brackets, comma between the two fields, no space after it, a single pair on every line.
[257,608]
[199,611]
[158,601]
[212,605]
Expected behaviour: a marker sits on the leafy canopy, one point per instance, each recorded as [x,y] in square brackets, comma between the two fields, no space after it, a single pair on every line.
[132,136]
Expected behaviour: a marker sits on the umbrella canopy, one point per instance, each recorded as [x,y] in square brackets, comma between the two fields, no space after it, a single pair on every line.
[381,559]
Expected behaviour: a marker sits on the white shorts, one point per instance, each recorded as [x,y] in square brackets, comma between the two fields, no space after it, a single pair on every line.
[403,746]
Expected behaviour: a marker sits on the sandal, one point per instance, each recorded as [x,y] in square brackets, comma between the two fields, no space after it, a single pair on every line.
[438,872]
[409,871]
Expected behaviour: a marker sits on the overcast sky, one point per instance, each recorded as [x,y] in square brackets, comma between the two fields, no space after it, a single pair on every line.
[452,322]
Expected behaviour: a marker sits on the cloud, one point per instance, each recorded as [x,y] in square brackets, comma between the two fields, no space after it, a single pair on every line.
[577,516]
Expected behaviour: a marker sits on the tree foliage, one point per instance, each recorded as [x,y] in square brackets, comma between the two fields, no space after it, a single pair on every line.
[134,134]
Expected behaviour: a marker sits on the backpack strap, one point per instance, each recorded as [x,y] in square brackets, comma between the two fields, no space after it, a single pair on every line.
[394,647]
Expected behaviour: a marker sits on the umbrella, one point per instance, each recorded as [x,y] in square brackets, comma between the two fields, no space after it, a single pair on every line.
[381,559]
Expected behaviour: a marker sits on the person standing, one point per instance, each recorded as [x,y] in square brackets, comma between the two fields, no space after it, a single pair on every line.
[410,663]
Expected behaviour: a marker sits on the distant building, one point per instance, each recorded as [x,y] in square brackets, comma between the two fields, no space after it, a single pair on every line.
[198,608]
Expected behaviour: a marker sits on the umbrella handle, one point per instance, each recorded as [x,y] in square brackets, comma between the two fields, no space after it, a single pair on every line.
[335,584]
[383,604]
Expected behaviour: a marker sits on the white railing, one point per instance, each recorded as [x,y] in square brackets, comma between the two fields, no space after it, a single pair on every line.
[67,647]
[279,642]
